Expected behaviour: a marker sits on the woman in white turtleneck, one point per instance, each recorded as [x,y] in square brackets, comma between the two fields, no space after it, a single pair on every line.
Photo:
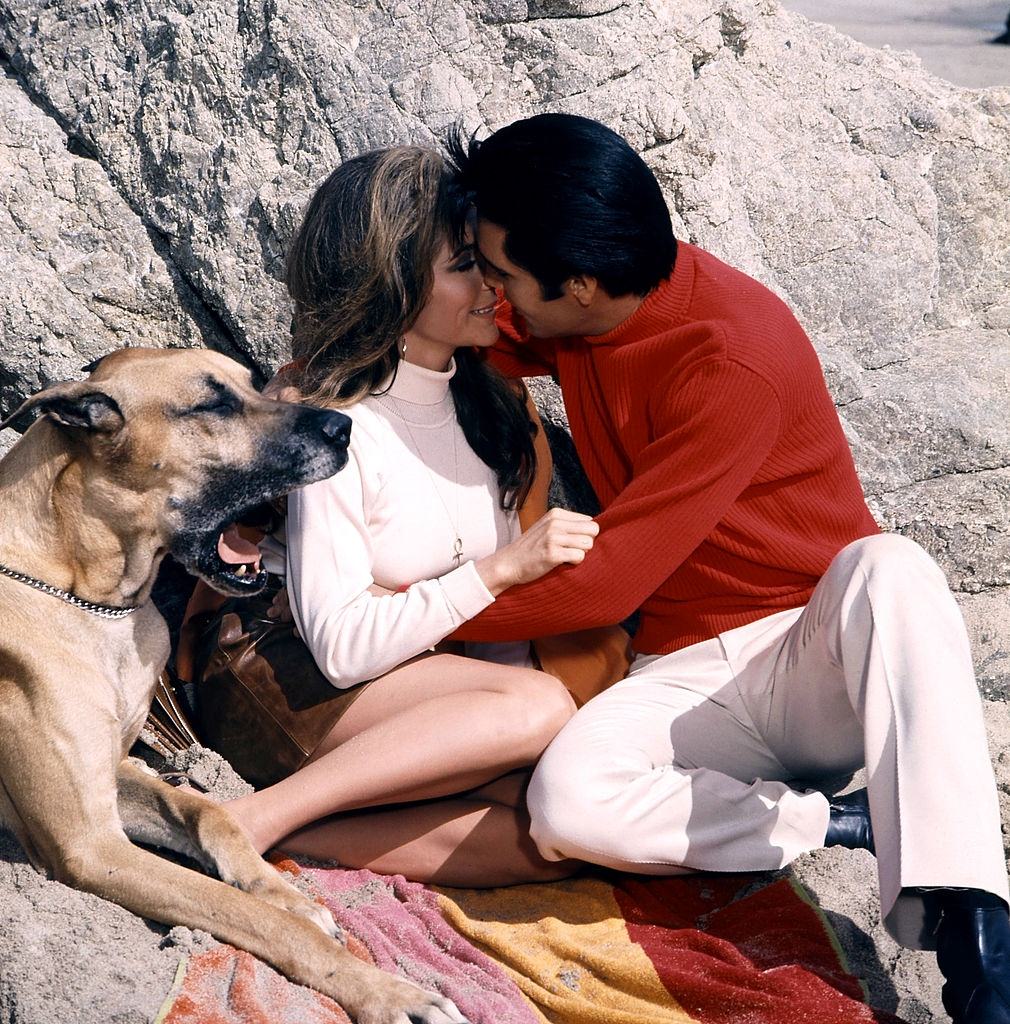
[417,534]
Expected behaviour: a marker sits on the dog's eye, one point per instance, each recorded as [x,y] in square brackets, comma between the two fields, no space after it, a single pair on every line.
[225,404]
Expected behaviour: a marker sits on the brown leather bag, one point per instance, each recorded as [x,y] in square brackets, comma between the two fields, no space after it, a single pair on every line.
[589,660]
[261,701]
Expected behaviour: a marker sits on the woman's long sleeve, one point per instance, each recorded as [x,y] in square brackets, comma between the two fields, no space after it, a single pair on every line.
[353,634]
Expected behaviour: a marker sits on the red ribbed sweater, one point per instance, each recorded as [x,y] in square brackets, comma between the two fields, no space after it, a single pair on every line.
[725,481]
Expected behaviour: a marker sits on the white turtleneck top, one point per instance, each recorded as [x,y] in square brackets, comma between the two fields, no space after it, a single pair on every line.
[411,485]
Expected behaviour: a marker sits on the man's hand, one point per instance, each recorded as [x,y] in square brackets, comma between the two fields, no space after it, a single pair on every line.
[276,389]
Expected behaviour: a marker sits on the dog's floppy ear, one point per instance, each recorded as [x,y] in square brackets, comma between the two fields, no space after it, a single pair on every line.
[77,404]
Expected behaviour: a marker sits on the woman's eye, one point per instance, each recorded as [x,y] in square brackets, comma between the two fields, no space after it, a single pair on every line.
[466,265]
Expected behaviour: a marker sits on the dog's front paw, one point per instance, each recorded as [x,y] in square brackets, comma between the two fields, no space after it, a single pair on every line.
[322,918]
[402,1002]
[280,893]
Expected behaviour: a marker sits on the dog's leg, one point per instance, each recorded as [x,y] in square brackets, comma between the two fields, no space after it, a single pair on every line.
[110,866]
[9,818]
[160,815]
[75,829]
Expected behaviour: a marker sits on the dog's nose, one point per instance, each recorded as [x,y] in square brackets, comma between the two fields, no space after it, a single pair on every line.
[337,427]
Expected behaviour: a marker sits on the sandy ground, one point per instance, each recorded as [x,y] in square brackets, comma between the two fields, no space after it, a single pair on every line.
[952,39]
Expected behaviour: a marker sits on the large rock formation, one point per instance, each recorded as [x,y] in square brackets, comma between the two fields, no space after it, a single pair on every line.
[81,275]
[869,195]
[156,157]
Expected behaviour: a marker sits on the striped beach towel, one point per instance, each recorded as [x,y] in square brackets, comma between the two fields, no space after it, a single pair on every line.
[598,949]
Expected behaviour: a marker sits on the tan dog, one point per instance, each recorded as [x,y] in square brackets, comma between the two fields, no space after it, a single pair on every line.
[156,451]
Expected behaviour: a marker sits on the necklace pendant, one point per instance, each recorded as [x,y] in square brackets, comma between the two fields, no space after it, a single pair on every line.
[457,549]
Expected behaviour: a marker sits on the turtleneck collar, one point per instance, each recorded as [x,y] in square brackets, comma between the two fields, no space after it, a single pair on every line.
[419,385]
[664,305]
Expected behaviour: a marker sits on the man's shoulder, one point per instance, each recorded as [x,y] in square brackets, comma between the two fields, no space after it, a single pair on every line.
[749,314]
[722,291]
[739,320]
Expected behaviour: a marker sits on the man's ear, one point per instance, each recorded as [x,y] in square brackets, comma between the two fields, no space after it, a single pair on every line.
[582,288]
[78,405]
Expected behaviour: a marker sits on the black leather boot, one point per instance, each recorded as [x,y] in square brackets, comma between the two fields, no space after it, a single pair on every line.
[849,824]
[973,954]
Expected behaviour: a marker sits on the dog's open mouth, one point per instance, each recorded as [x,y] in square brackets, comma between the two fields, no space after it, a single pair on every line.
[243,554]
[232,563]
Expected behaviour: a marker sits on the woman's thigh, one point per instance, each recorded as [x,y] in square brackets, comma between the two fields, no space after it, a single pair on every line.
[433,676]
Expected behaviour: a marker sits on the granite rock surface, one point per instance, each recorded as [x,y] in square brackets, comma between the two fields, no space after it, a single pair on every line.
[868,194]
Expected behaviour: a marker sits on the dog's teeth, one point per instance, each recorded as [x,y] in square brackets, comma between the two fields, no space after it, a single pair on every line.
[242,570]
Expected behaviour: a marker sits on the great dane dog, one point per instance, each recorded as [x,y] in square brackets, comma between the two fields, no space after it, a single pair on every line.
[156,451]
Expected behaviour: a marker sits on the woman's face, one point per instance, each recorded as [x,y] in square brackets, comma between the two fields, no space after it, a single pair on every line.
[459,311]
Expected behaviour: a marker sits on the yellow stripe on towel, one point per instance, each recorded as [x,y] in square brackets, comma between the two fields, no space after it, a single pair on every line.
[567,948]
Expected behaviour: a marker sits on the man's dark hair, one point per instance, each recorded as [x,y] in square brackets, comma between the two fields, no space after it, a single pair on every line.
[573,198]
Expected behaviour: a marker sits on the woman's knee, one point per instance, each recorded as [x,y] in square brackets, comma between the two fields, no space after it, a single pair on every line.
[536,707]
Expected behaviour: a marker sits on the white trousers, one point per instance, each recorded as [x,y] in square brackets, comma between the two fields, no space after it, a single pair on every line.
[684,764]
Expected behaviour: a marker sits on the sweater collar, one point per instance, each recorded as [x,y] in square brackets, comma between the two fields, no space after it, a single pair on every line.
[419,385]
[664,306]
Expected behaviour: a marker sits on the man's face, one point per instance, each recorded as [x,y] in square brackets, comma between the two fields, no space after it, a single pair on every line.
[557,318]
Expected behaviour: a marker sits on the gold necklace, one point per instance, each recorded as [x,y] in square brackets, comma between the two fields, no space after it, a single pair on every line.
[457,545]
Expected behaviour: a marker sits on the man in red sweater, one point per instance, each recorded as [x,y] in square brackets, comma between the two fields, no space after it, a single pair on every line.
[781,635]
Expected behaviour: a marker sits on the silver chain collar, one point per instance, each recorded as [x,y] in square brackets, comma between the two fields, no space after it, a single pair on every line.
[103,611]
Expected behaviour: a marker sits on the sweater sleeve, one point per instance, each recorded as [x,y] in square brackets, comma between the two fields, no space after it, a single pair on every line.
[712,433]
[353,634]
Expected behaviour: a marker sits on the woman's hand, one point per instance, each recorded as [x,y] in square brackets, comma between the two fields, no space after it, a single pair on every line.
[556,538]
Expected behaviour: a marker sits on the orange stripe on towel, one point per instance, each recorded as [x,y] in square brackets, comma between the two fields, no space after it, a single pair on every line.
[567,948]
[226,986]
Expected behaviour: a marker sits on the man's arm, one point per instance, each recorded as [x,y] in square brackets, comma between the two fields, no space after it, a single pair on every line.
[713,434]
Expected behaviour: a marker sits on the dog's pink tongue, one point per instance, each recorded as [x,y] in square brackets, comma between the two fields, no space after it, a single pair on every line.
[236,550]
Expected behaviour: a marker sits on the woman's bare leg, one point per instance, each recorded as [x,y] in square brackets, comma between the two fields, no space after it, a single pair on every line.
[473,841]
[435,726]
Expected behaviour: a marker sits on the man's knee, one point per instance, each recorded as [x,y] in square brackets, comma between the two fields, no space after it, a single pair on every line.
[584,812]
[892,561]
[567,806]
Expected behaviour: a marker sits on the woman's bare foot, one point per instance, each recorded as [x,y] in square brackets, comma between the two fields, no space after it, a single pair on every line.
[248,818]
